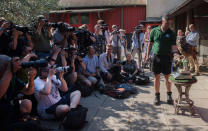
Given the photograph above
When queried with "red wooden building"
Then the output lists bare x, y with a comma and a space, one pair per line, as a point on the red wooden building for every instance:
125, 13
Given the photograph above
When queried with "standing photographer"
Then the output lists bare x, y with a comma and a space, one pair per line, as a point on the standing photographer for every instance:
62, 34
138, 41
99, 43
116, 41
42, 37
104, 31
8, 37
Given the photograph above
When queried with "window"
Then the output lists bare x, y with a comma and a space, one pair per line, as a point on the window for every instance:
74, 19
85, 18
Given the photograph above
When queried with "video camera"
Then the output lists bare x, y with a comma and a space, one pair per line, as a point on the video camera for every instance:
36, 63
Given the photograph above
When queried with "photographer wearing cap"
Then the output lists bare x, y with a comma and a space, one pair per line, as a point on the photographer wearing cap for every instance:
99, 43
50, 103
41, 38
163, 40
104, 31
115, 39
10, 85
137, 43
62, 34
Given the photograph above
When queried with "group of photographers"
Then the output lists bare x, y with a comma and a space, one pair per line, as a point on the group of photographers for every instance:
41, 65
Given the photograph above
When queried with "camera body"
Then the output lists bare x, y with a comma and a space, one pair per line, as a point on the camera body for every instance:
65, 69
116, 31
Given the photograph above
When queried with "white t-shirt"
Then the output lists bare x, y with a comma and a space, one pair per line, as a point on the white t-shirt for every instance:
45, 101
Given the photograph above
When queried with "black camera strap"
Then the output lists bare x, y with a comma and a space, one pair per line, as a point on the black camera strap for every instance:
12, 66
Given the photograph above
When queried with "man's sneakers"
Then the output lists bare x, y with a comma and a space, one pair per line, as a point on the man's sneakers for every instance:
157, 99
169, 99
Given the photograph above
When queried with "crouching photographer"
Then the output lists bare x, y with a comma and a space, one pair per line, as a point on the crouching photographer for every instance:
10, 85
76, 62
110, 69
50, 103
92, 65
129, 69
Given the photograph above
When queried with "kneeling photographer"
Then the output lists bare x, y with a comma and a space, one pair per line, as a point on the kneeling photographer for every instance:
10, 85
110, 68
129, 69
75, 61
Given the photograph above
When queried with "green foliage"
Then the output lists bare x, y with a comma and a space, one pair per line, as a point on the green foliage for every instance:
24, 11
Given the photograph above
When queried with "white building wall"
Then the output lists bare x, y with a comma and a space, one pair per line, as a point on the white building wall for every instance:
156, 8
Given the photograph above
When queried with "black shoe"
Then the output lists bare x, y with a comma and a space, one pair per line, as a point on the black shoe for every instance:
157, 99
169, 98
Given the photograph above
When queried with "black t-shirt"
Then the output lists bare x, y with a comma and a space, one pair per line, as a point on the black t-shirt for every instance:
129, 67
16, 85
22, 41
5, 39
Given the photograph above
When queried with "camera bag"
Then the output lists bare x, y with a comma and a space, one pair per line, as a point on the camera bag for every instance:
76, 118
141, 80
119, 93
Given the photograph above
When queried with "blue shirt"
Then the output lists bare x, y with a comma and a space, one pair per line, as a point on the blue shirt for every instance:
137, 43
91, 64
193, 38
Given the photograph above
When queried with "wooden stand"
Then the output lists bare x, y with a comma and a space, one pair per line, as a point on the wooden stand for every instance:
183, 103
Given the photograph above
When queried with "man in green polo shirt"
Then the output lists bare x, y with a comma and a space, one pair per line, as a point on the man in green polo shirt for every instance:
163, 41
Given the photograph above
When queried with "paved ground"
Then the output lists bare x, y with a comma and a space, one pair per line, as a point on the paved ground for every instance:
137, 113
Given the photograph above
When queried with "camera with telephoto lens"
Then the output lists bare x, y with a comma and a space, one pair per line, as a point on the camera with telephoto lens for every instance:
65, 69
50, 24
36, 63
104, 26
116, 31
70, 29
23, 29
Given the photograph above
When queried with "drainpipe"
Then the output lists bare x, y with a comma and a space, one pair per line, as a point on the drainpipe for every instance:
122, 21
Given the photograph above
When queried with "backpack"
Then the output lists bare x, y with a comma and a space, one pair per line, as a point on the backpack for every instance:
75, 118
26, 123
141, 80
129, 88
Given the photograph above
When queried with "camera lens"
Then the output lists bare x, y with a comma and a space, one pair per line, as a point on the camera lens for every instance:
36, 64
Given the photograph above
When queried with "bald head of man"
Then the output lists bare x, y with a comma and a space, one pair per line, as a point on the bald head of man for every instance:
191, 27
